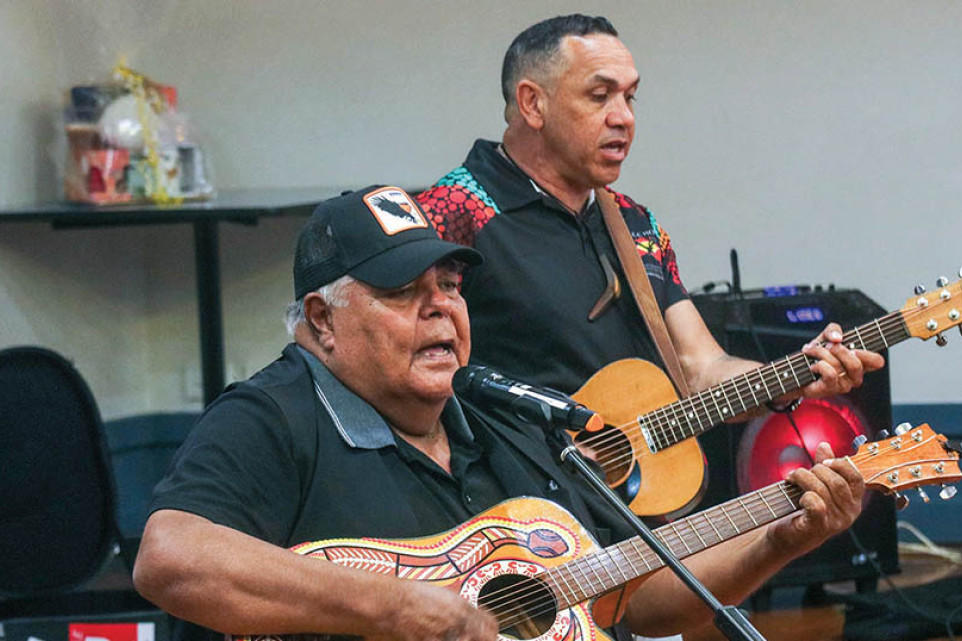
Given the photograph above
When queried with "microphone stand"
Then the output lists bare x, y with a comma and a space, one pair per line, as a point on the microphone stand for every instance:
729, 619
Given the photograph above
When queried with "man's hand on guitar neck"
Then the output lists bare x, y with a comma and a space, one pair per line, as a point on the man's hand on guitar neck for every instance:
839, 369
832, 501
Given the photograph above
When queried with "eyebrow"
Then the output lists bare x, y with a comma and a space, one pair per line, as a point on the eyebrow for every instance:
612, 82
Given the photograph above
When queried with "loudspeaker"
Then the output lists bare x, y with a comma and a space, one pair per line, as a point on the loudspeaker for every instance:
767, 324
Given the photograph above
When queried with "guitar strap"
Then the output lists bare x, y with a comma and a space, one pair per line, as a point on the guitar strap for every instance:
634, 269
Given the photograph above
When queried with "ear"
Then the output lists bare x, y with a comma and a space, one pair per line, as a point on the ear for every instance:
531, 99
318, 317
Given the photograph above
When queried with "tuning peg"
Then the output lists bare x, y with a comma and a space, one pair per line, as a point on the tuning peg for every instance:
883, 434
941, 281
925, 497
960, 272
940, 340
902, 428
947, 492
901, 501
919, 289
859, 441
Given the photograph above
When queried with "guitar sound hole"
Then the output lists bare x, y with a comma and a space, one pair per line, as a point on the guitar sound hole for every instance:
524, 606
609, 448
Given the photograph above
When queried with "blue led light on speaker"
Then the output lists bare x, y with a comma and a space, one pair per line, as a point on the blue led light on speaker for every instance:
805, 315
781, 290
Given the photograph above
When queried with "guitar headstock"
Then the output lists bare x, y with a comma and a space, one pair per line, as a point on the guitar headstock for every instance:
913, 457
928, 314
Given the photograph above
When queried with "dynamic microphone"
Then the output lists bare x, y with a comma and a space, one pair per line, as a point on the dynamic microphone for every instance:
485, 386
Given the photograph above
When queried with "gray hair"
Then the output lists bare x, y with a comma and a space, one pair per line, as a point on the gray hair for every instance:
333, 293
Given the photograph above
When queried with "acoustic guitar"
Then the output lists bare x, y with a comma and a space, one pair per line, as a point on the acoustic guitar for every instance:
646, 447
539, 572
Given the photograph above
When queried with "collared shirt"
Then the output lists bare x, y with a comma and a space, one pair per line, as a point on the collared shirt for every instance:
470, 488
543, 273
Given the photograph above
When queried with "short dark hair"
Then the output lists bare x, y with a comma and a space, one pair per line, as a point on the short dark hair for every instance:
536, 46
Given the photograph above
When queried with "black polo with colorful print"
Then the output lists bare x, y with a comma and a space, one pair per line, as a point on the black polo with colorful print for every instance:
543, 273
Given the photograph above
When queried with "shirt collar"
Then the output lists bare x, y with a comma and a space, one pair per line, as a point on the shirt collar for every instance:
505, 182
358, 423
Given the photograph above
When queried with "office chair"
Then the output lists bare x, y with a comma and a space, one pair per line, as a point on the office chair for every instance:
57, 494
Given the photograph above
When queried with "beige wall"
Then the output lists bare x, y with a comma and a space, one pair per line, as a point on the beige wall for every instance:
820, 139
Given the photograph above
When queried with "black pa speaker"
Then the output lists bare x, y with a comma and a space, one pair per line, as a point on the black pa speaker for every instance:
765, 325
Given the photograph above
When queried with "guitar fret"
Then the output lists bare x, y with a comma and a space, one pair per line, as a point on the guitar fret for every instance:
624, 562
728, 402
761, 495
701, 397
859, 337
791, 368
784, 489
741, 502
734, 385
712, 524
714, 402
694, 528
674, 529
881, 334
640, 553
750, 390
692, 412
768, 392
671, 411
563, 573
611, 577
778, 377
580, 564
727, 516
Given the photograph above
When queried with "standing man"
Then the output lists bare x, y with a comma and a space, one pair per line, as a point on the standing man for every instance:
538, 304
355, 432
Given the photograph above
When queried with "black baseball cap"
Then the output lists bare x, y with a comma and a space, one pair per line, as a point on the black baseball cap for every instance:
378, 235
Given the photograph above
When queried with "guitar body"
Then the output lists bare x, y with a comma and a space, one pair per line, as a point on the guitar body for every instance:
639, 405
498, 551
668, 482
530, 564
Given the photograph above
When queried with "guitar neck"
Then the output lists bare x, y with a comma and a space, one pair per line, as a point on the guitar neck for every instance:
595, 574
695, 414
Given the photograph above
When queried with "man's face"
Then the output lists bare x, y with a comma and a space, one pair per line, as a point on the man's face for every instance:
403, 344
589, 120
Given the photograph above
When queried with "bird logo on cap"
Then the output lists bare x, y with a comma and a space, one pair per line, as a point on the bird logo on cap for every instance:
394, 210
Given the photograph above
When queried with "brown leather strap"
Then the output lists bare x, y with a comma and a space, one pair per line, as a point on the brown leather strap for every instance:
634, 270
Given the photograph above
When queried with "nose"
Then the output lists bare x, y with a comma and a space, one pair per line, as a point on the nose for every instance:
437, 301
622, 113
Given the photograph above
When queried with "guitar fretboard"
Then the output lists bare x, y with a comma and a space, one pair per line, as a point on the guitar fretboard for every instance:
614, 566
695, 414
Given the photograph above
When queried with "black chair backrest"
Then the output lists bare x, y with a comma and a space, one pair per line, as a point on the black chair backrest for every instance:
57, 494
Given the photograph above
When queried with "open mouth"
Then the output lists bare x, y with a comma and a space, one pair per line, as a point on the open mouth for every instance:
439, 349
616, 148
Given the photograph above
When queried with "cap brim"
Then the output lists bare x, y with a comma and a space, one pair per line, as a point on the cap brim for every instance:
401, 264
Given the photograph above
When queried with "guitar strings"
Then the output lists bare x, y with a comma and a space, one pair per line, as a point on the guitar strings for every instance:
739, 519
739, 516
609, 449
770, 379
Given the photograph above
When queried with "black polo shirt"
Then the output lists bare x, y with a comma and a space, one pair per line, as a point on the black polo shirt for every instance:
542, 273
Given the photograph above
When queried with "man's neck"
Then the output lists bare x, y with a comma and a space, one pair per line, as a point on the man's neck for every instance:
434, 444
535, 165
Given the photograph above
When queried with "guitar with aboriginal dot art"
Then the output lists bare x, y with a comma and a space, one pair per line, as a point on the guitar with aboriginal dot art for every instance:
646, 447
542, 576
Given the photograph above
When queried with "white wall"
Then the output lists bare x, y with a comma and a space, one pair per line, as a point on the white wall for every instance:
820, 139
